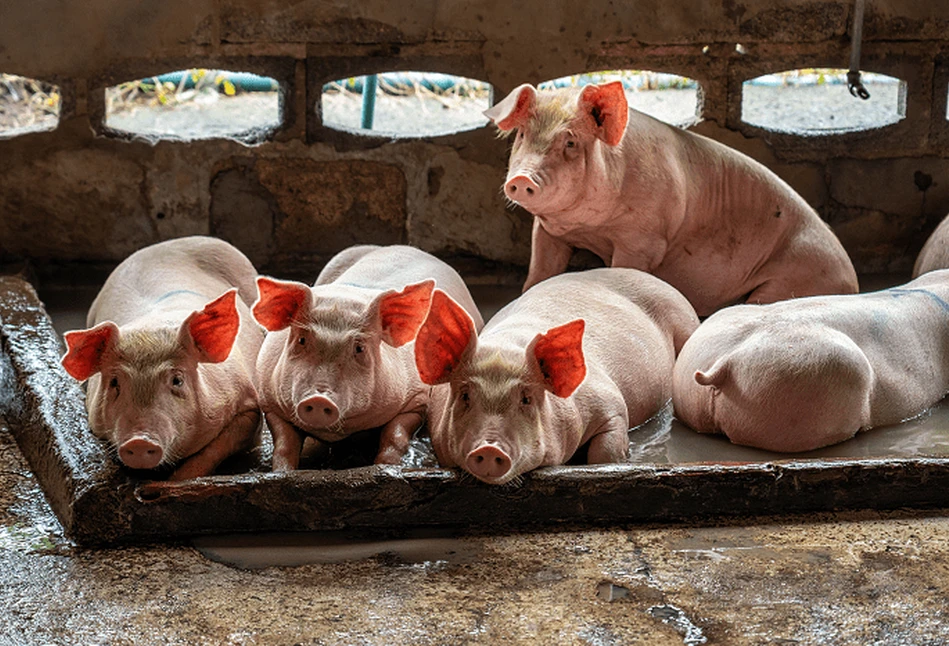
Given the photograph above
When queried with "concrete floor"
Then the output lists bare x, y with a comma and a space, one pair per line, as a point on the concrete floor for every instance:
848, 578
858, 578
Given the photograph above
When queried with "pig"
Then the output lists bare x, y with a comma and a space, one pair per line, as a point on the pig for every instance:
338, 357
169, 357
712, 222
807, 373
576, 360
935, 253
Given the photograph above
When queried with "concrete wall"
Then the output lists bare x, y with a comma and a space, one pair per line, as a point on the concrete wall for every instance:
79, 195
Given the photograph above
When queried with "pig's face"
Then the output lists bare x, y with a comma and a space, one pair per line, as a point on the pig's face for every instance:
145, 389
565, 141
331, 369
499, 422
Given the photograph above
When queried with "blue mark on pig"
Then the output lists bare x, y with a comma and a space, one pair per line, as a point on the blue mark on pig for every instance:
906, 292
167, 295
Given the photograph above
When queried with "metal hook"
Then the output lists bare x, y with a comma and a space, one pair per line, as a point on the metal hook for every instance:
853, 76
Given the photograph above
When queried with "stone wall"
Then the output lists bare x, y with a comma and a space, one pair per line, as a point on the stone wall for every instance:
80, 196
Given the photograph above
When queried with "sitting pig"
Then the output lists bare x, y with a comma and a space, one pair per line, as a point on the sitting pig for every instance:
170, 357
339, 356
807, 373
577, 359
715, 224
935, 253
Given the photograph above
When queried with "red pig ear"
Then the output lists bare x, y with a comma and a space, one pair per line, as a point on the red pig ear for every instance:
86, 348
559, 355
401, 314
443, 339
608, 106
514, 109
280, 302
212, 330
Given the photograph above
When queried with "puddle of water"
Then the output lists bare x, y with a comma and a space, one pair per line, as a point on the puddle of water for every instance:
669, 614
257, 551
665, 440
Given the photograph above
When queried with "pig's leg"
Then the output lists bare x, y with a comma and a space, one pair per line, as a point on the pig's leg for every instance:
394, 442
549, 256
611, 443
241, 434
287, 443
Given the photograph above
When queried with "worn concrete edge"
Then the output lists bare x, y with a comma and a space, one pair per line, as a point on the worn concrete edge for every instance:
45, 413
100, 504
386, 498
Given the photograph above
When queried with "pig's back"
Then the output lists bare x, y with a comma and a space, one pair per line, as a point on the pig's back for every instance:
394, 267
184, 272
612, 297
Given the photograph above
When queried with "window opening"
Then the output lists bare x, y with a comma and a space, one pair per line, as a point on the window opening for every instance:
27, 105
196, 104
816, 101
667, 97
405, 104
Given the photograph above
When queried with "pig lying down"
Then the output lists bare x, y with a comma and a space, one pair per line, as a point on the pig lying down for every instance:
578, 358
715, 224
935, 253
808, 373
170, 357
339, 356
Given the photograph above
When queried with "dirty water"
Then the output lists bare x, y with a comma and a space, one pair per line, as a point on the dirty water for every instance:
430, 549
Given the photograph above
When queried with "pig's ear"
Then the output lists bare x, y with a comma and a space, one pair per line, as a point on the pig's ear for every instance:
211, 332
281, 302
514, 109
443, 339
559, 357
401, 314
86, 349
608, 107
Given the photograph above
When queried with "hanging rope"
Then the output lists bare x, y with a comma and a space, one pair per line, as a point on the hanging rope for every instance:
853, 76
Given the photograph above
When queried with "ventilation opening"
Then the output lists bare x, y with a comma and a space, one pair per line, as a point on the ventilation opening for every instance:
405, 104
196, 104
667, 97
814, 102
27, 105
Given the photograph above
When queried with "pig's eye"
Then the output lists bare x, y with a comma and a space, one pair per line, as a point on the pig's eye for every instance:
359, 349
114, 383
177, 381
525, 399
570, 143
302, 340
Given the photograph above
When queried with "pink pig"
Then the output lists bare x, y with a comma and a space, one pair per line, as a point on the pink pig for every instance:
935, 253
578, 358
339, 355
170, 373
811, 372
715, 224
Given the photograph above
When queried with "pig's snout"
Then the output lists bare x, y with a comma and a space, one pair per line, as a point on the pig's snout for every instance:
140, 453
318, 411
522, 189
488, 462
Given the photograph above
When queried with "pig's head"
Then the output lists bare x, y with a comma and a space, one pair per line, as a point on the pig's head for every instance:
566, 142
499, 421
145, 389
337, 364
